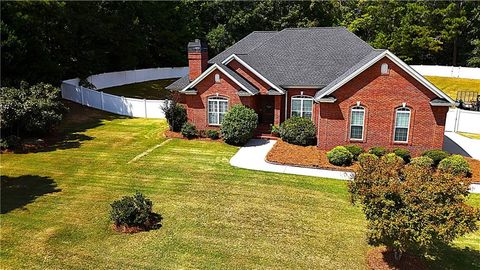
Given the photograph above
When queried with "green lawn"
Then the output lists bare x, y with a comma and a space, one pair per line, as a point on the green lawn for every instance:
470, 135
55, 207
148, 90
452, 85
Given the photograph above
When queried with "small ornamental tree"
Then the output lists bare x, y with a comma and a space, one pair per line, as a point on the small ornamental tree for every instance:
412, 208
238, 125
175, 114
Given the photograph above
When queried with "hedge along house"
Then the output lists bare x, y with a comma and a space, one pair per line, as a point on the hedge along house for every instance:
353, 93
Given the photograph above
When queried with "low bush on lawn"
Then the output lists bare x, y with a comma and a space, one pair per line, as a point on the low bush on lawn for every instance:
340, 156
378, 151
403, 153
133, 214
456, 165
239, 124
355, 150
212, 134
175, 114
436, 155
423, 161
298, 130
189, 131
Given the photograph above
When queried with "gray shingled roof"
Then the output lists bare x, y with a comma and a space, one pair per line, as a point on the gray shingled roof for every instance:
240, 79
179, 84
299, 56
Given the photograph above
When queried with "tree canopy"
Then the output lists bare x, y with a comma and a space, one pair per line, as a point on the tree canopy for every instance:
50, 41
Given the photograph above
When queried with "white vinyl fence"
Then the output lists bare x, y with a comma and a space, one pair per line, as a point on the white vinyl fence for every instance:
121, 105
448, 71
463, 121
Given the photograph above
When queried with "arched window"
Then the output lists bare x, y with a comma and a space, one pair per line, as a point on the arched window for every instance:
357, 122
302, 106
384, 69
402, 124
217, 107
217, 78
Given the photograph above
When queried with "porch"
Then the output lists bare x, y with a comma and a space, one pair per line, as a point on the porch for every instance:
270, 110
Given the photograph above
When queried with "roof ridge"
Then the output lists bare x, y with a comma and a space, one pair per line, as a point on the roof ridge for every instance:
315, 27
261, 43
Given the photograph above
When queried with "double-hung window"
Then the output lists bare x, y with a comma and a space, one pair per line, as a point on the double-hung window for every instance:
302, 106
402, 124
357, 123
217, 107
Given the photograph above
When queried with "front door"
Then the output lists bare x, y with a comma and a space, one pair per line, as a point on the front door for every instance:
266, 109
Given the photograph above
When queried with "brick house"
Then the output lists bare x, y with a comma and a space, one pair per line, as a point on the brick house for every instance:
353, 93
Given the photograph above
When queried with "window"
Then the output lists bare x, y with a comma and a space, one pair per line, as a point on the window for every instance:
402, 123
384, 69
217, 78
302, 106
357, 121
217, 107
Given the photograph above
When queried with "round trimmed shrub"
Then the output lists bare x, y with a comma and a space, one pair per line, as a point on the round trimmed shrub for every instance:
212, 134
423, 161
455, 164
189, 131
176, 115
365, 159
355, 150
239, 124
393, 159
403, 153
340, 156
298, 130
133, 211
378, 151
436, 155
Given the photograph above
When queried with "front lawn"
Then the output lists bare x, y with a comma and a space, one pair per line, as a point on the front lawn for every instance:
470, 135
147, 90
55, 207
452, 85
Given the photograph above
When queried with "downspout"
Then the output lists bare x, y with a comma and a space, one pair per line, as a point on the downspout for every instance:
318, 125
286, 104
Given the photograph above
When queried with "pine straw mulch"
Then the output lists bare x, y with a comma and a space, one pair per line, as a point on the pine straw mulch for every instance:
303, 156
381, 259
475, 166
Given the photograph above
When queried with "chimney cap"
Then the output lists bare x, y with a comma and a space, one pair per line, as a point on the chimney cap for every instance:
197, 46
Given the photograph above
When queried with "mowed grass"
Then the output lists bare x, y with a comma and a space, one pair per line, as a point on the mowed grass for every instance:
452, 85
470, 135
55, 207
148, 90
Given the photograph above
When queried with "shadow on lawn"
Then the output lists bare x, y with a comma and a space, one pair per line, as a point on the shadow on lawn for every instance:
70, 132
449, 257
16, 192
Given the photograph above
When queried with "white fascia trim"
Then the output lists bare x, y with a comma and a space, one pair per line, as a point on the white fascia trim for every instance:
402, 65
234, 57
302, 86
210, 70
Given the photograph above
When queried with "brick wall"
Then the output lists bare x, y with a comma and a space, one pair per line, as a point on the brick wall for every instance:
381, 95
197, 63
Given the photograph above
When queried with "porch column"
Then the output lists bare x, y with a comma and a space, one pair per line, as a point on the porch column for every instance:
277, 110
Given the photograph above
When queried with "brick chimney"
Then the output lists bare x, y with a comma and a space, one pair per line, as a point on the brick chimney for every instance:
197, 58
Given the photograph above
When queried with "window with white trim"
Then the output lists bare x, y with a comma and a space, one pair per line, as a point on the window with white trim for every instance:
357, 122
217, 108
302, 106
402, 124
217, 78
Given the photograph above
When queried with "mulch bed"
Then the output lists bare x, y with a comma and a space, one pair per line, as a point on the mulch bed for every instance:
303, 156
382, 259
475, 166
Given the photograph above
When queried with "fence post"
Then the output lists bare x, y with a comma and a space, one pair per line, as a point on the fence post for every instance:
145, 106
457, 120
81, 94
101, 99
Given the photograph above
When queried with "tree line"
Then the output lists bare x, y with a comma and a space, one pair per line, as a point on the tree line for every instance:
50, 41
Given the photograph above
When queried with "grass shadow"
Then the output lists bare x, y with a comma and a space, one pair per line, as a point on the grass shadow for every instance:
17, 192
449, 257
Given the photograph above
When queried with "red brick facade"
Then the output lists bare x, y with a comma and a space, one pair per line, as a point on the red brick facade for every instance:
380, 95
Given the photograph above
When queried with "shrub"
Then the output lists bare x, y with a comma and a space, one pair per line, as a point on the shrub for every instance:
212, 134
422, 161
10, 142
298, 130
133, 211
366, 158
275, 130
189, 131
378, 151
355, 150
175, 114
436, 155
340, 156
239, 124
455, 164
393, 160
403, 153
30, 110
396, 203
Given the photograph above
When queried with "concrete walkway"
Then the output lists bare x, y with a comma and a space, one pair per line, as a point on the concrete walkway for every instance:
458, 144
252, 156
